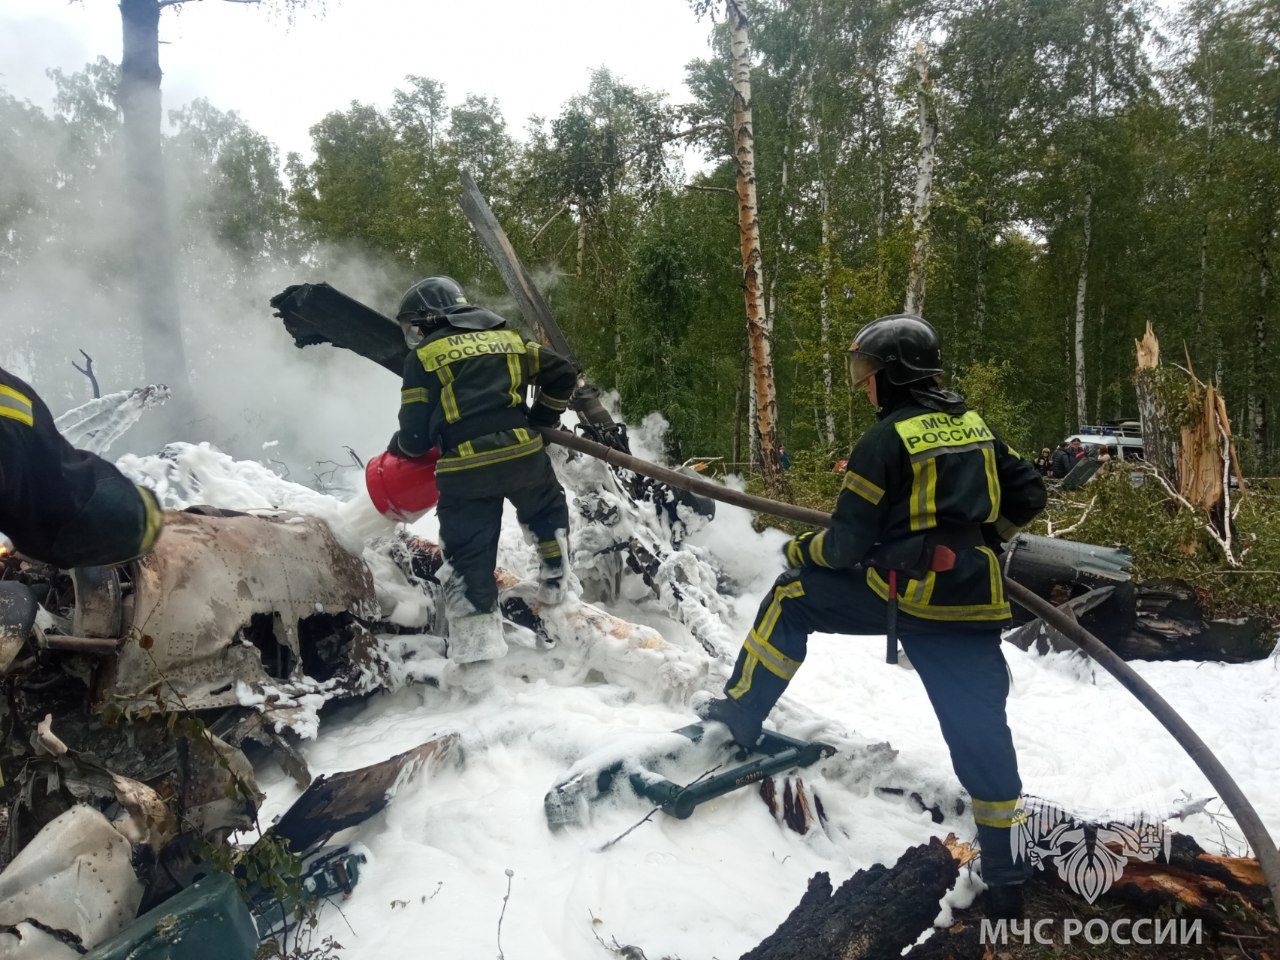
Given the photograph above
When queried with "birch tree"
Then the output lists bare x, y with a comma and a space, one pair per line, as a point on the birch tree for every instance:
923, 201
759, 327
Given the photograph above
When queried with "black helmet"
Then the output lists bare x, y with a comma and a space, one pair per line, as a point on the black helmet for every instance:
428, 299
904, 346
434, 301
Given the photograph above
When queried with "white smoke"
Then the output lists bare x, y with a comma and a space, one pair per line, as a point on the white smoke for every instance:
66, 286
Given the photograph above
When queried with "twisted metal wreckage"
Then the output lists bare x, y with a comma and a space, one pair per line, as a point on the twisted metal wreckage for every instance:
232, 636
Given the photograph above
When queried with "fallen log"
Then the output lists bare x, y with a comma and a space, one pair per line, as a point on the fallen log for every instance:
874, 915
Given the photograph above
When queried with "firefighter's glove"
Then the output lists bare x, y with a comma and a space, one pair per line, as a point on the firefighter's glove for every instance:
543, 417
797, 551
396, 450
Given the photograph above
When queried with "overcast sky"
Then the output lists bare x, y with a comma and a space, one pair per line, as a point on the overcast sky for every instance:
531, 55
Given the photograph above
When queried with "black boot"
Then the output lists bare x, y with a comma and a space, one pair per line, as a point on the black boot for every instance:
744, 726
1004, 901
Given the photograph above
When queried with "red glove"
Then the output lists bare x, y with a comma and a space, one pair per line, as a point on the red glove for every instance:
402, 488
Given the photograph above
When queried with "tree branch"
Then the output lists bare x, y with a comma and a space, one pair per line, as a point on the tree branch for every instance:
1208, 527
87, 370
555, 216
699, 187
1065, 530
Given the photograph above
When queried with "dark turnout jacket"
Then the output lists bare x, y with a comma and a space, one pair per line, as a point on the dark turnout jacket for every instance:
464, 391
920, 470
61, 505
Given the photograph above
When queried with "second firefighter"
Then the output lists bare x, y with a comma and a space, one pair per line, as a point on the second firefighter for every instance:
465, 381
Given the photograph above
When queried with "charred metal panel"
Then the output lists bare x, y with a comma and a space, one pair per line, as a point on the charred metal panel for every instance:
208, 579
333, 803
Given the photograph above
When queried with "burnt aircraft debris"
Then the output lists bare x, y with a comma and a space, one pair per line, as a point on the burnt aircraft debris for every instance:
1140, 620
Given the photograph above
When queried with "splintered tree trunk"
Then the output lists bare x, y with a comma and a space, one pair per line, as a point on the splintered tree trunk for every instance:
924, 187
139, 96
759, 329
1082, 290
1157, 435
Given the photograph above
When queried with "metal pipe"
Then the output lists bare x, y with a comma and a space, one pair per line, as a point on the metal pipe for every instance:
1251, 825
625, 461
92, 646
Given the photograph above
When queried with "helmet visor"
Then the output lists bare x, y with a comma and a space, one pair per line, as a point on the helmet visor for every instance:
413, 332
861, 367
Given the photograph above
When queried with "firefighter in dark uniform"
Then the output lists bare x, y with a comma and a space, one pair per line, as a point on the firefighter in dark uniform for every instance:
60, 505
464, 391
929, 494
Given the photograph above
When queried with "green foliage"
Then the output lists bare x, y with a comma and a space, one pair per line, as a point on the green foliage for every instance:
1127, 510
1045, 108
986, 388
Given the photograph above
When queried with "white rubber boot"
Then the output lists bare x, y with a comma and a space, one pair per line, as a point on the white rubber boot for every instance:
476, 637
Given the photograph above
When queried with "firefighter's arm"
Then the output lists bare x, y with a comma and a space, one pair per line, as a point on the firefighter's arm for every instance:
555, 378
1022, 491
855, 522
80, 510
418, 397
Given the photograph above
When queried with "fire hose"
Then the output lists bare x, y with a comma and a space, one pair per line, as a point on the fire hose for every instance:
1251, 825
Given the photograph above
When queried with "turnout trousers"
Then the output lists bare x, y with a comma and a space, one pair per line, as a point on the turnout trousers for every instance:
961, 666
470, 513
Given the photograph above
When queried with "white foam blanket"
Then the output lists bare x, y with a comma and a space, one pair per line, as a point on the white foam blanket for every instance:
614, 685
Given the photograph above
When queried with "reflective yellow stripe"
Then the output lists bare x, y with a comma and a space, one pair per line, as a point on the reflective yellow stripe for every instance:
787, 591
535, 358
1006, 527
489, 457
154, 521
549, 548
922, 592
996, 581
438, 354
856, 483
774, 660
447, 397
513, 371
748, 672
816, 547
932, 434
16, 406
553, 403
414, 395
1002, 813
928, 610
758, 647
924, 486
466, 449
993, 483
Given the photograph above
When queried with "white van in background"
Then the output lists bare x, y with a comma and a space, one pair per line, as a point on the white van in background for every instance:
1124, 438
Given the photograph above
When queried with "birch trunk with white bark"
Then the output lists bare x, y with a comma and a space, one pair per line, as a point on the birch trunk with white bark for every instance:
759, 328
828, 420
1082, 290
923, 202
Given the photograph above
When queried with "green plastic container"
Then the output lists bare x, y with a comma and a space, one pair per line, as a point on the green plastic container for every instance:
206, 921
